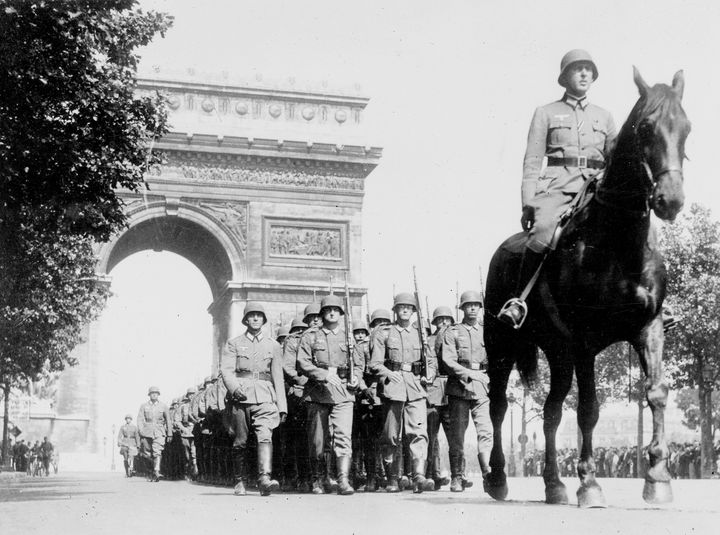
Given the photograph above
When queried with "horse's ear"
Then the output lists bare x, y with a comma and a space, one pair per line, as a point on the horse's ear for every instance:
678, 83
639, 82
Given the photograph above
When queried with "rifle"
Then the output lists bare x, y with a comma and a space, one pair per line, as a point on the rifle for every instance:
349, 339
421, 330
367, 310
482, 293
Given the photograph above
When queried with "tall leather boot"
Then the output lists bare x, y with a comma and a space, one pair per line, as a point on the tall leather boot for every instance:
317, 469
156, 468
420, 483
484, 460
514, 311
266, 484
131, 465
466, 482
330, 483
343, 470
391, 473
371, 471
433, 469
238, 460
456, 483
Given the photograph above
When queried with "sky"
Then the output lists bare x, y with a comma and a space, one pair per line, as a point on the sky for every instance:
452, 88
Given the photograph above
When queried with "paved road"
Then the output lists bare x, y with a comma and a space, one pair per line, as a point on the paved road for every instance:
108, 503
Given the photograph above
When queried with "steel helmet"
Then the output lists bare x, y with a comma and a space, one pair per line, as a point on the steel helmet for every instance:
360, 325
332, 301
380, 314
311, 309
282, 332
404, 298
153, 389
470, 296
207, 380
254, 306
297, 324
190, 391
574, 56
442, 312
128, 416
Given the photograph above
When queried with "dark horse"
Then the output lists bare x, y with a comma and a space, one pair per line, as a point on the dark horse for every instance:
604, 283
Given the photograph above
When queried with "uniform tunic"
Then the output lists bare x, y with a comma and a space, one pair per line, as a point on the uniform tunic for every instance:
463, 353
252, 365
154, 426
128, 440
566, 128
321, 351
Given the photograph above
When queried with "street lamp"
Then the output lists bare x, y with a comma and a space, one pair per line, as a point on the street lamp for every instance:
511, 462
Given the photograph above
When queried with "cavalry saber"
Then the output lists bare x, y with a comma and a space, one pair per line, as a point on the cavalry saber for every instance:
421, 329
349, 339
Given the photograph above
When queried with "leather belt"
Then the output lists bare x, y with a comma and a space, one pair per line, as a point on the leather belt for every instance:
256, 376
581, 162
412, 367
482, 366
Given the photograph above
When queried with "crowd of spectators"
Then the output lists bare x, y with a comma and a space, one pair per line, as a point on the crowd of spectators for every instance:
684, 461
34, 459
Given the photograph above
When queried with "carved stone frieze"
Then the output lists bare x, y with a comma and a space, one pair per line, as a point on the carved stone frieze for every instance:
305, 242
234, 169
232, 214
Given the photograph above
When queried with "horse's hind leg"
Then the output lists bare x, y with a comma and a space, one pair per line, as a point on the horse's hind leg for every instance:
501, 357
561, 370
650, 348
589, 494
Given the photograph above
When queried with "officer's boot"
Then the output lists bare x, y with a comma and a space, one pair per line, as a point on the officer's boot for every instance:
131, 465
238, 460
330, 483
456, 483
515, 310
370, 470
420, 483
404, 467
433, 470
317, 469
266, 484
343, 470
465, 481
391, 472
156, 468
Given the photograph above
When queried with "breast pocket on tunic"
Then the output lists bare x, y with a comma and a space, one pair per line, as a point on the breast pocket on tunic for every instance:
320, 352
242, 361
560, 132
394, 351
600, 134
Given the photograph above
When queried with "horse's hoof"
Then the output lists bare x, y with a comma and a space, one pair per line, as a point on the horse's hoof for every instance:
556, 494
656, 492
496, 488
591, 496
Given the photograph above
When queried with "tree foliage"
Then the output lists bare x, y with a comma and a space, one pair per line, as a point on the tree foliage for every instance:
688, 402
72, 130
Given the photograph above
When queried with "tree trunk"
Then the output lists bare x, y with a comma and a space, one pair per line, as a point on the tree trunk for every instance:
6, 418
707, 454
639, 460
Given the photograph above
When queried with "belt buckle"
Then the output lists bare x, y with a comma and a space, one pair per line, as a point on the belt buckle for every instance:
474, 365
256, 376
582, 162
406, 366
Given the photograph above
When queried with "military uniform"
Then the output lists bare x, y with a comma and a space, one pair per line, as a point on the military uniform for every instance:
329, 407
438, 412
184, 425
368, 423
252, 371
128, 441
463, 354
154, 427
574, 135
397, 348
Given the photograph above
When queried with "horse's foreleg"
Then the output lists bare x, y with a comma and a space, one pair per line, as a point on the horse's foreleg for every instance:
495, 483
589, 494
560, 382
650, 348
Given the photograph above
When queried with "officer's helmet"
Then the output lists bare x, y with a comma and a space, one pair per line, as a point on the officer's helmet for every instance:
153, 389
254, 306
470, 296
332, 301
128, 416
574, 56
404, 298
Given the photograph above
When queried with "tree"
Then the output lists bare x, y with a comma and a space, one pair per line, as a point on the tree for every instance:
72, 131
692, 350
688, 401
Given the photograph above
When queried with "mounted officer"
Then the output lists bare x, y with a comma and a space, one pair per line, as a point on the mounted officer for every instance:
251, 366
574, 137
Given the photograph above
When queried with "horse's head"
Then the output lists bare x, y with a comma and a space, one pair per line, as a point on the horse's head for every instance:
661, 128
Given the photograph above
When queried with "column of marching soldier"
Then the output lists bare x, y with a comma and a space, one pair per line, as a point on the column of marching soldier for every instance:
323, 412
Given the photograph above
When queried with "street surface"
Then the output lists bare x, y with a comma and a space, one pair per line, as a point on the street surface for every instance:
108, 503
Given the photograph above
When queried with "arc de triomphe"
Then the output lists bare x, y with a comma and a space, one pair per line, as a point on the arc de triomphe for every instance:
261, 188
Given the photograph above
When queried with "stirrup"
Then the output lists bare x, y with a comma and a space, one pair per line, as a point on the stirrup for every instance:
506, 317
